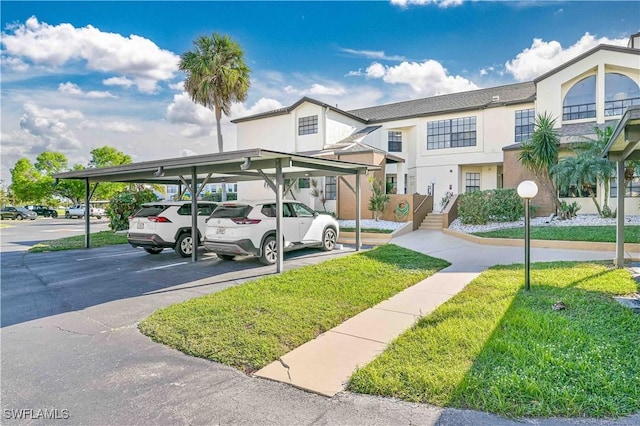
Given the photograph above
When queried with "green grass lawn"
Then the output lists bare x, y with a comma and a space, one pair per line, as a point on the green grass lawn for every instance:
496, 348
606, 234
251, 325
98, 239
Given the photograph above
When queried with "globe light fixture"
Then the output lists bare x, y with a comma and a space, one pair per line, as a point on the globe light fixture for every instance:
527, 190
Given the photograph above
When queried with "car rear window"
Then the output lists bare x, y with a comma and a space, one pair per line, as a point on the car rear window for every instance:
147, 211
230, 211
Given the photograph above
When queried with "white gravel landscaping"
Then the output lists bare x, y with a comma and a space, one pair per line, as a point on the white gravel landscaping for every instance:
580, 220
371, 224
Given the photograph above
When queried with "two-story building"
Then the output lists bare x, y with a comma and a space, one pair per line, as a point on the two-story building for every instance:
457, 142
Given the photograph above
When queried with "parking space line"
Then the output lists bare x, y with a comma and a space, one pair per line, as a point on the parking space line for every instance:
101, 257
162, 267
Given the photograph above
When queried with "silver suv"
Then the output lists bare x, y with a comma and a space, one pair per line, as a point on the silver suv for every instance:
167, 224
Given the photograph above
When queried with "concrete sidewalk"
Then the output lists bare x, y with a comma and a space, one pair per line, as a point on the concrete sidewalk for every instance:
325, 364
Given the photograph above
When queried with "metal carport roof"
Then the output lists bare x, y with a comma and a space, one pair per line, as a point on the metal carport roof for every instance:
251, 164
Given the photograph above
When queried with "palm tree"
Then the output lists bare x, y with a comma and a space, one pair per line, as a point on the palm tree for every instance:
216, 76
540, 153
581, 170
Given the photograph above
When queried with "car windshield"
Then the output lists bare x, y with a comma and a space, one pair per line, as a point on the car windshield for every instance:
231, 211
147, 211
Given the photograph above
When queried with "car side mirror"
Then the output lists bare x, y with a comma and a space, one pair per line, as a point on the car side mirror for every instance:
315, 214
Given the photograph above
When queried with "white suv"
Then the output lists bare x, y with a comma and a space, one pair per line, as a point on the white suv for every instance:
161, 224
240, 229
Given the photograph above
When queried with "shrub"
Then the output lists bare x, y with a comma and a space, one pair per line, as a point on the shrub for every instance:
217, 196
495, 205
569, 210
124, 205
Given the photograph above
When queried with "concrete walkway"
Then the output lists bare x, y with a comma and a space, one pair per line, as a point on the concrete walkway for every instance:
325, 364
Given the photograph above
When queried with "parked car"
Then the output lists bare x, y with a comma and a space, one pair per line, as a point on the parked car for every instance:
241, 229
42, 210
79, 211
17, 213
159, 225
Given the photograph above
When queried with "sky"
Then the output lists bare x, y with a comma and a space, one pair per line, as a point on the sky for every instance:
75, 76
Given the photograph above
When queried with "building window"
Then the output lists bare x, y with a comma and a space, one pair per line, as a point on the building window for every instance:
395, 141
620, 92
455, 133
308, 125
472, 182
580, 101
392, 184
633, 188
304, 183
525, 120
330, 187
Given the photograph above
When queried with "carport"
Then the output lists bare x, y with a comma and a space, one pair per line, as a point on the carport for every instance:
624, 145
194, 172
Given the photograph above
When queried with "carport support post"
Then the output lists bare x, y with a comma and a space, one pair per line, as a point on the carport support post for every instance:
619, 260
87, 218
358, 212
194, 215
279, 239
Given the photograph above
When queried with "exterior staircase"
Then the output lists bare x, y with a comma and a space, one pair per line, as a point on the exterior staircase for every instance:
432, 221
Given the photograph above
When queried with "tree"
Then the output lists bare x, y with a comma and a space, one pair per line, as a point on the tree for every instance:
107, 156
50, 162
379, 198
28, 184
317, 192
216, 76
540, 153
586, 168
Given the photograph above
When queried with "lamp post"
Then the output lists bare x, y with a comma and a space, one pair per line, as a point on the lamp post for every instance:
527, 190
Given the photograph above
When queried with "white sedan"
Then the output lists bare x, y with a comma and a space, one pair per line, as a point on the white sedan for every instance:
249, 229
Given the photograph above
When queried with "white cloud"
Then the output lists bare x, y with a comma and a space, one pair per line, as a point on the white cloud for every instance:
184, 111
316, 89
118, 81
440, 3
135, 57
373, 54
263, 105
69, 88
177, 86
113, 126
50, 127
543, 56
426, 78
15, 64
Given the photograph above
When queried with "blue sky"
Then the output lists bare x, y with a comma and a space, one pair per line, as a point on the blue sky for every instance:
79, 75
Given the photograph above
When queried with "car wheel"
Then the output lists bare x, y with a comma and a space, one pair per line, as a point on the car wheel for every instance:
184, 245
54, 214
152, 250
328, 239
98, 217
226, 256
269, 251
67, 216
19, 217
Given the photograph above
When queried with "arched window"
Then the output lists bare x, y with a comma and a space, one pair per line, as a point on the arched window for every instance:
580, 101
620, 92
